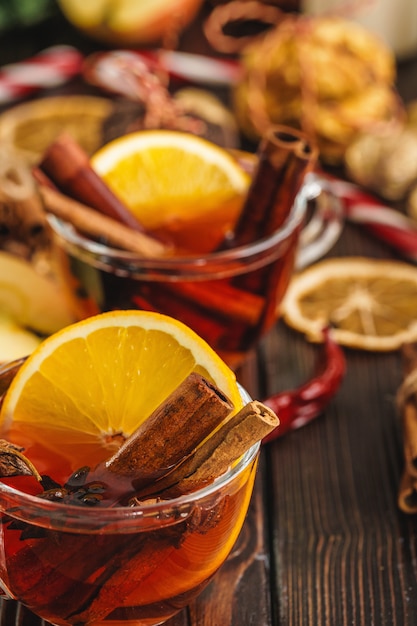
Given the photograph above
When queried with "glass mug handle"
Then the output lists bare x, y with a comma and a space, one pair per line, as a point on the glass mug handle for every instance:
325, 224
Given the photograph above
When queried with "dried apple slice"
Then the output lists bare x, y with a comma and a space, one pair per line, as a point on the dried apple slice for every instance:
31, 300
15, 341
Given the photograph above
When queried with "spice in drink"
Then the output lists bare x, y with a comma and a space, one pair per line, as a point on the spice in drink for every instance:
68, 576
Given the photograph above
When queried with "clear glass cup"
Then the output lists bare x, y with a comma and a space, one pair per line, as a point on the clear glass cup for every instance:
230, 298
125, 566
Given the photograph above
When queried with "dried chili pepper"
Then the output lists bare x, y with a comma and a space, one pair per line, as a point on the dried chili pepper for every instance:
298, 407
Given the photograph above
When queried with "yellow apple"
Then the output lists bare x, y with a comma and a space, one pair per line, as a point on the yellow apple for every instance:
130, 22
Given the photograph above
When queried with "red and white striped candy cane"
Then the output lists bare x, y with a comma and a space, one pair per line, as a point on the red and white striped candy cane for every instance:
387, 224
118, 70
50, 68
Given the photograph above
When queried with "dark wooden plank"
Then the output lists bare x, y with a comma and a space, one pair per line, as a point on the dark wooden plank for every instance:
343, 553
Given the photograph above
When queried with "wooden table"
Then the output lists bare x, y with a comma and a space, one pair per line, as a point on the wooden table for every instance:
324, 543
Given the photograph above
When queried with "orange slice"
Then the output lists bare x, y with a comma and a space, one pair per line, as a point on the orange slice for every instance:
370, 303
174, 180
98, 379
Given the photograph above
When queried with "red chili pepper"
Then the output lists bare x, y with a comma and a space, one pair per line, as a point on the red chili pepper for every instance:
298, 407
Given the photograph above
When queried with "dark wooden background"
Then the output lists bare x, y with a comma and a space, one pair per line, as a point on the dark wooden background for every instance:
324, 543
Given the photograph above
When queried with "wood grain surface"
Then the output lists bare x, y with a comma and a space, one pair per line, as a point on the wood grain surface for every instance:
324, 543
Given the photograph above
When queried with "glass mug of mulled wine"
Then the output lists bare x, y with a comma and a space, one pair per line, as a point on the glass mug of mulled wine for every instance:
229, 296
132, 565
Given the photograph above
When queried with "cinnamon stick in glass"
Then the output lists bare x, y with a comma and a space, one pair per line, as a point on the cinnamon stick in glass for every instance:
68, 166
189, 415
242, 305
218, 452
123, 574
285, 156
96, 225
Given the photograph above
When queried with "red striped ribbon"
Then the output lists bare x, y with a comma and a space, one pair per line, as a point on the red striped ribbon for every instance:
50, 68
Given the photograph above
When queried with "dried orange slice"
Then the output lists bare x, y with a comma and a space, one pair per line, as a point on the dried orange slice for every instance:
370, 303
175, 179
32, 126
101, 377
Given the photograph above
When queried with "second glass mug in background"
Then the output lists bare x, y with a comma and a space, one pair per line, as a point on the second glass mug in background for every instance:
230, 298
125, 565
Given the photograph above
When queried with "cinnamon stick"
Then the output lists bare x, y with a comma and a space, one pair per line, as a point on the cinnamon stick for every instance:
407, 494
68, 166
284, 158
407, 409
192, 411
407, 405
409, 423
217, 453
96, 225
123, 574
224, 300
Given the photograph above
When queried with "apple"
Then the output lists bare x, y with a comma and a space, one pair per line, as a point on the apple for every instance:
15, 341
33, 300
130, 22
31, 306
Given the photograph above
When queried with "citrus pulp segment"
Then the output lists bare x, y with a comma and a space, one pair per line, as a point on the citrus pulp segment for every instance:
370, 303
170, 175
106, 374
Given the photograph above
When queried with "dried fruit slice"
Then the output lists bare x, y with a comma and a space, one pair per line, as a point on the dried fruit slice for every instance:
32, 300
370, 303
15, 341
175, 180
98, 379
32, 126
